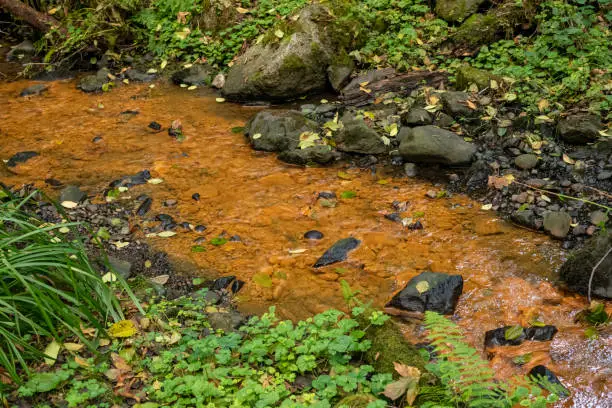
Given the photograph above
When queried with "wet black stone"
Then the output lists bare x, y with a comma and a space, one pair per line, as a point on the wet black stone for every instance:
415, 226
53, 182
328, 195
235, 238
129, 181
222, 282
196, 196
20, 157
440, 294
130, 112
144, 207
96, 139
164, 218
155, 126
541, 372
337, 252
236, 286
174, 132
497, 337
200, 228
313, 234
395, 217
199, 240
185, 225
168, 226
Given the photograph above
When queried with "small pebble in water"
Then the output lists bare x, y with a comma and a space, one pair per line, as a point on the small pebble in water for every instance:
235, 238
144, 207
97, 139
196, 196
170, 203
185, 225
313, 234
328, 195
199, 228
415, 226
199, 240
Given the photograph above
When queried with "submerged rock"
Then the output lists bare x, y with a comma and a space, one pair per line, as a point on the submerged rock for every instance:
275, 131
357, 137
285, 68
313, 234
139, 76
515, 335
129, 181
337, 252
430, 144
437, 292
579, 129
577, 270
199, 74
20, 157
95, 82
34, 90
321, 154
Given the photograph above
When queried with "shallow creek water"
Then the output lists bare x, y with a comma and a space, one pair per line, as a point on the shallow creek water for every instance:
508, 272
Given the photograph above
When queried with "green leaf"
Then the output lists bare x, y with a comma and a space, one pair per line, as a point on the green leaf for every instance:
218, 241
262, 279
348, 194
198, 248
513, 333
44, 382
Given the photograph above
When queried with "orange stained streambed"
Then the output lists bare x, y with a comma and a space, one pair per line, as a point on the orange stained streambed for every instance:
509, 272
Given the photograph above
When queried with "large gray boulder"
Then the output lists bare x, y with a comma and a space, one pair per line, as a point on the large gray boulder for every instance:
357, 137
456, 10
579, 129
277, 131
577, 270
285, 68
430, 144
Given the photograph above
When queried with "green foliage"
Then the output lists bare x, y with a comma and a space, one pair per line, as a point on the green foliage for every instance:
400, 33
170, 37
468, 378
48, 287
568, 61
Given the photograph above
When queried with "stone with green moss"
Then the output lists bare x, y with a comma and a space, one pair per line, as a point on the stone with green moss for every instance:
477, 30
456, 10
389, 346
290, 61
467, 75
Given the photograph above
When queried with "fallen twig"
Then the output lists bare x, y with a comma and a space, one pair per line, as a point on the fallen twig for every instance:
593, 273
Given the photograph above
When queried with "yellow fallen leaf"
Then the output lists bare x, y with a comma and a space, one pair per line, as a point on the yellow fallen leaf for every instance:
486, 207
51, 352
242, 10
73, 346
422, 286
69, 204
543, 105
104, 342
123, 328
568, 159
81, 361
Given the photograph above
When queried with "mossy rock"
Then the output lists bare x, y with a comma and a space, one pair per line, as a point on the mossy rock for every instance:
456, 10
289, 67
356, 401
503, 20
477, 30
467, 75
216, 15
389, 346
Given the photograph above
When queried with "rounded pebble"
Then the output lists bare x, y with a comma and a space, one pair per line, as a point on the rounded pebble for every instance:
313, 234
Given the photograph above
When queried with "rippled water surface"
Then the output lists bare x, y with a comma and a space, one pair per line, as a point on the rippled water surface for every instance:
509, 272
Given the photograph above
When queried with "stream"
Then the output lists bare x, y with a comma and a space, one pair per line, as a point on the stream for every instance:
508, 272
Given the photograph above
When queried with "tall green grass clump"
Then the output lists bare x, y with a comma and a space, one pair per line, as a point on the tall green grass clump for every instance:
48, 287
